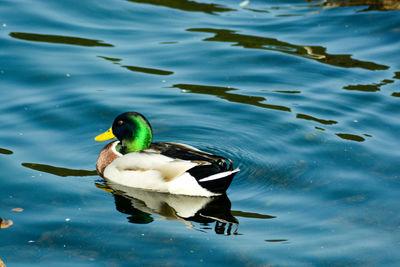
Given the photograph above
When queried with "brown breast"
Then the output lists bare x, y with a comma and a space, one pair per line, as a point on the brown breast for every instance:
107, 155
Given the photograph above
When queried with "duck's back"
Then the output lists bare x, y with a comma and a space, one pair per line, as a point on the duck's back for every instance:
212, 172
186, 152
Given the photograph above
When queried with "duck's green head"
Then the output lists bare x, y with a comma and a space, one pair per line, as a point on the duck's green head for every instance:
132, 130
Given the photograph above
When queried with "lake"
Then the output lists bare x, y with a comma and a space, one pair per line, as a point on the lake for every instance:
303, 96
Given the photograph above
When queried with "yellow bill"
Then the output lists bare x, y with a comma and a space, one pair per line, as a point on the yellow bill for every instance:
105, 136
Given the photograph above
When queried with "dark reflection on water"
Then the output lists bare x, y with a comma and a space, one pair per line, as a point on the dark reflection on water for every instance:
382, 5
222, 92
396, 94
257, 10
351, 137
57, 39
141, 205
287, 92
5, 151
311, 118
148, 70
276, 240
59, 171
374, 87
244, 214
396, 76
138, 69
363, 87
317, 53
111, 59
186, 5
368, 87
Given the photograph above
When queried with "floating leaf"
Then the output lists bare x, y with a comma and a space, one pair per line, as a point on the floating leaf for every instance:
5, 224
18, 209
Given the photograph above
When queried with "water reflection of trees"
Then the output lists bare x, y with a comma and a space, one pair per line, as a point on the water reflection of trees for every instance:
58, 39
372, 4
373, 87
5, 151
154, 71
59, 171
186, 5
224, 93
317, 53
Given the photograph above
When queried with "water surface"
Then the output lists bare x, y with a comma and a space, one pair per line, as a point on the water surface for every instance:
303, 96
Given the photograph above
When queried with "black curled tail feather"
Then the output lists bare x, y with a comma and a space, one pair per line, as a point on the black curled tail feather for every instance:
225, 163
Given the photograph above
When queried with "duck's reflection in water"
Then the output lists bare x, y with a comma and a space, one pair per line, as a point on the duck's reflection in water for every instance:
141, 205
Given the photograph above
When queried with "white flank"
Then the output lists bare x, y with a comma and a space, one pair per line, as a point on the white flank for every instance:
149, 170
187, 185
218, 176
138, 170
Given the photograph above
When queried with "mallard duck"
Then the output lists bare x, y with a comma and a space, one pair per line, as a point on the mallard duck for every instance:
134, 161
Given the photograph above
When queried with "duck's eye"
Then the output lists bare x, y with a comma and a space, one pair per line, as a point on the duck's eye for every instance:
120, 123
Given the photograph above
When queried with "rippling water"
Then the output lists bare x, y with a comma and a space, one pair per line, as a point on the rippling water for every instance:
302, 95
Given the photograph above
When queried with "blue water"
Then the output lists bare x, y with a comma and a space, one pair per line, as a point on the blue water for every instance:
303, 96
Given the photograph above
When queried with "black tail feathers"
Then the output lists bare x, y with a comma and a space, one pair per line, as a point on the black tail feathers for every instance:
211, 178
